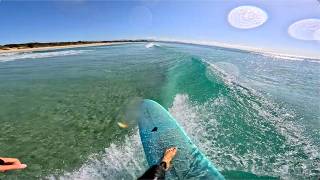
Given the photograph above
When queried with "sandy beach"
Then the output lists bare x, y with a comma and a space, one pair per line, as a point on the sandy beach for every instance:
9, 50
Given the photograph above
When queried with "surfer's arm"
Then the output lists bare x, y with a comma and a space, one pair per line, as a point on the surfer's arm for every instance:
10, 160
155, 172
12, 167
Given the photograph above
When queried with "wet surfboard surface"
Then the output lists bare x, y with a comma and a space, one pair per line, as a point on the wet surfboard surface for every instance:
159, 131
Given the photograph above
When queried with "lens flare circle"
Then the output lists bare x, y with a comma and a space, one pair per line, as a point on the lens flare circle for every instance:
316, 35
247, 17
306, 29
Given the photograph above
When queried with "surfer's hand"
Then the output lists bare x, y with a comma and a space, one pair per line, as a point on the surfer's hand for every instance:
11, 164
12, 167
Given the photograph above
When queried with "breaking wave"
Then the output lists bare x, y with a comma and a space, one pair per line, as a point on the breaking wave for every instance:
296, 156
4, 57
150, 45
237, 128
275, 56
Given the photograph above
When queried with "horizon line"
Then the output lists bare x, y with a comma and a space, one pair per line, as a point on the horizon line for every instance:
194, 42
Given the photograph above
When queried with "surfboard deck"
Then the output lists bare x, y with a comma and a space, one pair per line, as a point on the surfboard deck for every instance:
159, 131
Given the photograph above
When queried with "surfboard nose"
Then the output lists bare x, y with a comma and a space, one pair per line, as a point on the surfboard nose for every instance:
148, 111
152, 115
149, 103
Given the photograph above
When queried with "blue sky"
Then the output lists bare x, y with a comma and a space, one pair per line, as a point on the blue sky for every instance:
42, 21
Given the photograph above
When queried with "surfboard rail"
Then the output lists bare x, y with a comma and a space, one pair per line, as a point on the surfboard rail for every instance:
159, 131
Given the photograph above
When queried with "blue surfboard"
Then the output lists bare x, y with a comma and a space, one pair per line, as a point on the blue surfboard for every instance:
159, 131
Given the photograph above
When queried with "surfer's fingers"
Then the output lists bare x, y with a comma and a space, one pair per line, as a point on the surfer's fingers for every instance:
22, 166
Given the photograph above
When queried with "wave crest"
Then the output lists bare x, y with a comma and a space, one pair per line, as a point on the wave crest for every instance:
278, 148
150, 45
4, 57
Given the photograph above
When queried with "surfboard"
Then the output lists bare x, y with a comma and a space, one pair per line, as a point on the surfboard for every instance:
159, 131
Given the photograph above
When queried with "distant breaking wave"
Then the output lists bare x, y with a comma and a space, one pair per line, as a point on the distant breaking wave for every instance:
150, 45
286, 57
278, 56
4, 57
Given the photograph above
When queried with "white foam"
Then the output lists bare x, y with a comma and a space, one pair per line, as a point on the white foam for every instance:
150, 45
4, 57
185, 115
195, 123
8, 54
278, 56
201, 122
228, 71
283, 122
122, 160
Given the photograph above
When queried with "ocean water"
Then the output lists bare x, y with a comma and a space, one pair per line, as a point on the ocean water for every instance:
256, 116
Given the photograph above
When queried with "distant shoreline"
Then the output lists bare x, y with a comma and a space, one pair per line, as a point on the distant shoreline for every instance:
29, 47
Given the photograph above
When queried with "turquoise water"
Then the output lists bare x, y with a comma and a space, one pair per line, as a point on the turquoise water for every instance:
254, 115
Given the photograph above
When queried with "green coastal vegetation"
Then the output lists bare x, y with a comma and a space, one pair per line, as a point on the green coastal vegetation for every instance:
51, 44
